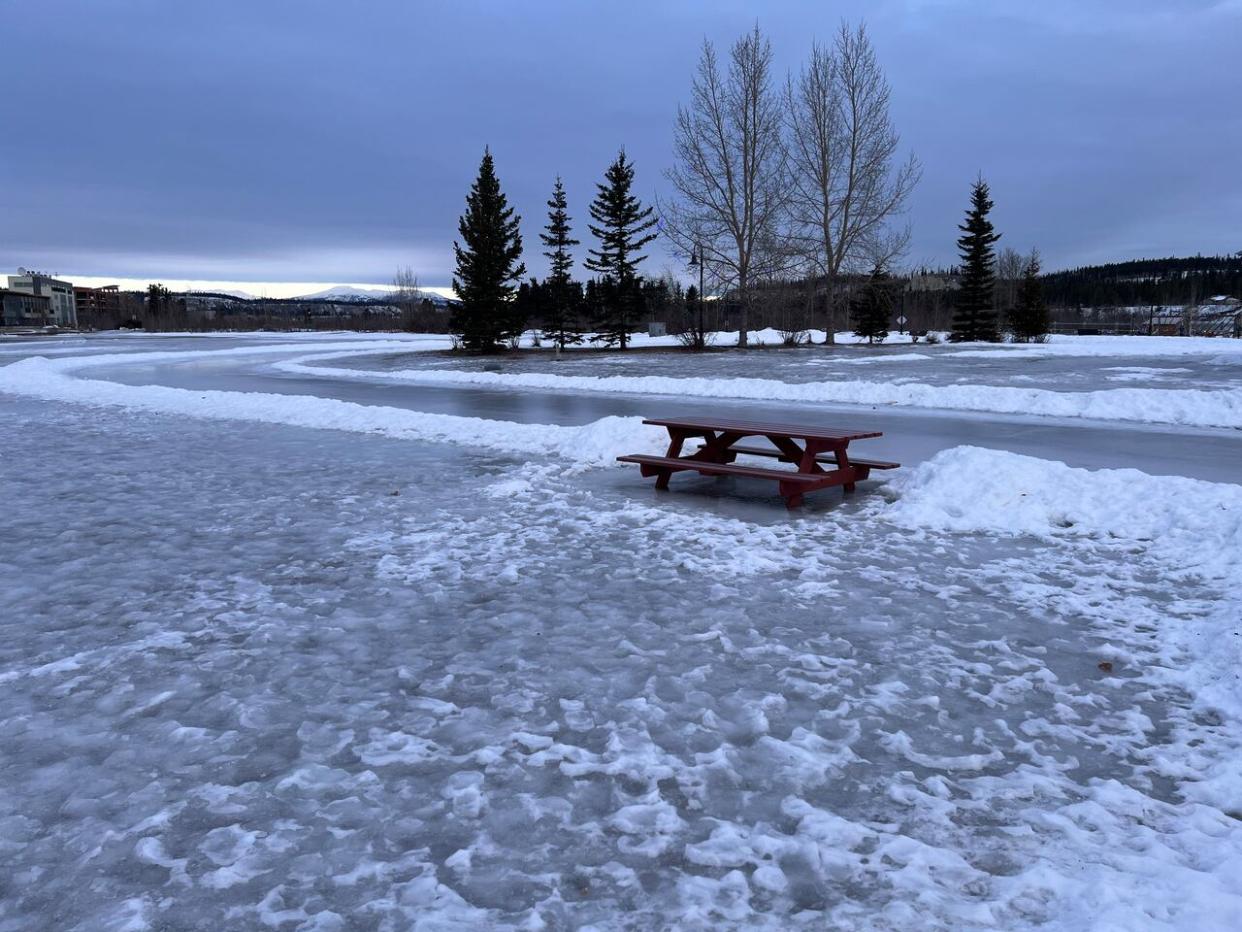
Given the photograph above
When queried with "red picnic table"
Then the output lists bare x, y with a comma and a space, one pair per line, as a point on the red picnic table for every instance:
820, 447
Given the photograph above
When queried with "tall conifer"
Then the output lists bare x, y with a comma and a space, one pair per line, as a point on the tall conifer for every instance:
488, 266
975, 315
621, 226
560, 322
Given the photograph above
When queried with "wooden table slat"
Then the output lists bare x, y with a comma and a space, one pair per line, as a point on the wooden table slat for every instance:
803, 431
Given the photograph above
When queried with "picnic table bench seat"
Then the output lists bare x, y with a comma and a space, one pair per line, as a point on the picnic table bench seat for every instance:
654, 465
829, 457
820, 447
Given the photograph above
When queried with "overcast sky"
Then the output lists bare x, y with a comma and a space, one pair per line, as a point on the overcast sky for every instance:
335, 141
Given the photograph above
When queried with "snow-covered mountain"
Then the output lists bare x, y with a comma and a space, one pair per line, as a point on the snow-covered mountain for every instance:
349, 294
346, 293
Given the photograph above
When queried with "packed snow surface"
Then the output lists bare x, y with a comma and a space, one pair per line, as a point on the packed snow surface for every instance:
426, 671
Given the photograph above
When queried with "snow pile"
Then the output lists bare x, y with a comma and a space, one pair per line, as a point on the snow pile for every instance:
595, 444
1072, 345
975, 489
1192, 407
1189, 530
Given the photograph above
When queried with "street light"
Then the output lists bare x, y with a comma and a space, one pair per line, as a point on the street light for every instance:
697, 262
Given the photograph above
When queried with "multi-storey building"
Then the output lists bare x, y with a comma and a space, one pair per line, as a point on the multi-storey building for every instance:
64, 309
20, 309
97, 306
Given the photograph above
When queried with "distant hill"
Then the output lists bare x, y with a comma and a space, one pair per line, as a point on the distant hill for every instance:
347, 293
228, 293
1146, 282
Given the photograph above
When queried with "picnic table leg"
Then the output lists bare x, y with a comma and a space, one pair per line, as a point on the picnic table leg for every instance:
717, 447
792, 496
676, 437
843, 462
803, 457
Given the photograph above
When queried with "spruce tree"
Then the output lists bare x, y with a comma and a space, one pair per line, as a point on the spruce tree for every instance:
872, 307
157, 302
560, 323
621, 226
1030, 315
975, 315
488, 265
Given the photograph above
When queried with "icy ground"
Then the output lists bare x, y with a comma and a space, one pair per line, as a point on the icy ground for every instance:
1060, 366
245, 685
1169, 380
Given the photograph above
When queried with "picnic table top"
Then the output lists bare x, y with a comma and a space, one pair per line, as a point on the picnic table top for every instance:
777, 428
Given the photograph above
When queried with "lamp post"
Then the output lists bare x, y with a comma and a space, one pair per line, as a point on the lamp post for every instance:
696, 261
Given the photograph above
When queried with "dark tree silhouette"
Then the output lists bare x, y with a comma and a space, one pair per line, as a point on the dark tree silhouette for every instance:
622, 227
488, 266
872, 307
1030, 315
560, 319
975, 315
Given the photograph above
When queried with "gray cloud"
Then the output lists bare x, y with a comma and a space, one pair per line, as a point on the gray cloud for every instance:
325, 141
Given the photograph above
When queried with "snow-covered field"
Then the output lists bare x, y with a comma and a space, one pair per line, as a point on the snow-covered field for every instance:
276, 659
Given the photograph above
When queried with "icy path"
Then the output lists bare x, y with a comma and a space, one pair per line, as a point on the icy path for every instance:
243, 685
912, 435
981, 380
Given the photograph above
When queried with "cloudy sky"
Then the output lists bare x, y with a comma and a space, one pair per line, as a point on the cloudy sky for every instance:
307, 141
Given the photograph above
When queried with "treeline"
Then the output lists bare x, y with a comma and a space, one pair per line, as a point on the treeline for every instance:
785, 197
496, 308
774, 183
1164, 282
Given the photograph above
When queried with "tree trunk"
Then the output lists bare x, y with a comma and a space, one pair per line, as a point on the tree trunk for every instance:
830, 311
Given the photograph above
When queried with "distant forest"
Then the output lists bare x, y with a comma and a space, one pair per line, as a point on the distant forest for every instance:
1145, 282
925, 296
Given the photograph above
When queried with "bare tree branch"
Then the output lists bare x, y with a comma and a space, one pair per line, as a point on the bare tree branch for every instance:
730, 173
846, 183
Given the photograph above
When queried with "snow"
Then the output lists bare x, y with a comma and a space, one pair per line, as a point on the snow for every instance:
1193, 529
346, 293
275, 661
1190, 407
594, 444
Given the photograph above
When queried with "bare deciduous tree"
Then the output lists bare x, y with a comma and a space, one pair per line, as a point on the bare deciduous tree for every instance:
406, 296
730, 174
847, 186
1009, 267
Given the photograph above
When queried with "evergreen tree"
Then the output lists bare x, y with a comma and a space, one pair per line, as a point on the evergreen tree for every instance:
591, 303
1030, 315
158, 299
621, 226
872, 307
488, 265
974, 317
560, 319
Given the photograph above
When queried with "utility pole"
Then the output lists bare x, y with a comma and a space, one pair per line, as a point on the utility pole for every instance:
696, 259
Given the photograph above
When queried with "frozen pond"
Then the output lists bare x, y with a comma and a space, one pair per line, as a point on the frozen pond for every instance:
255, 675
1027, 366
911, 435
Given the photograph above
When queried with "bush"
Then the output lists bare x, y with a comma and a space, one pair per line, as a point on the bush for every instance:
794, 337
